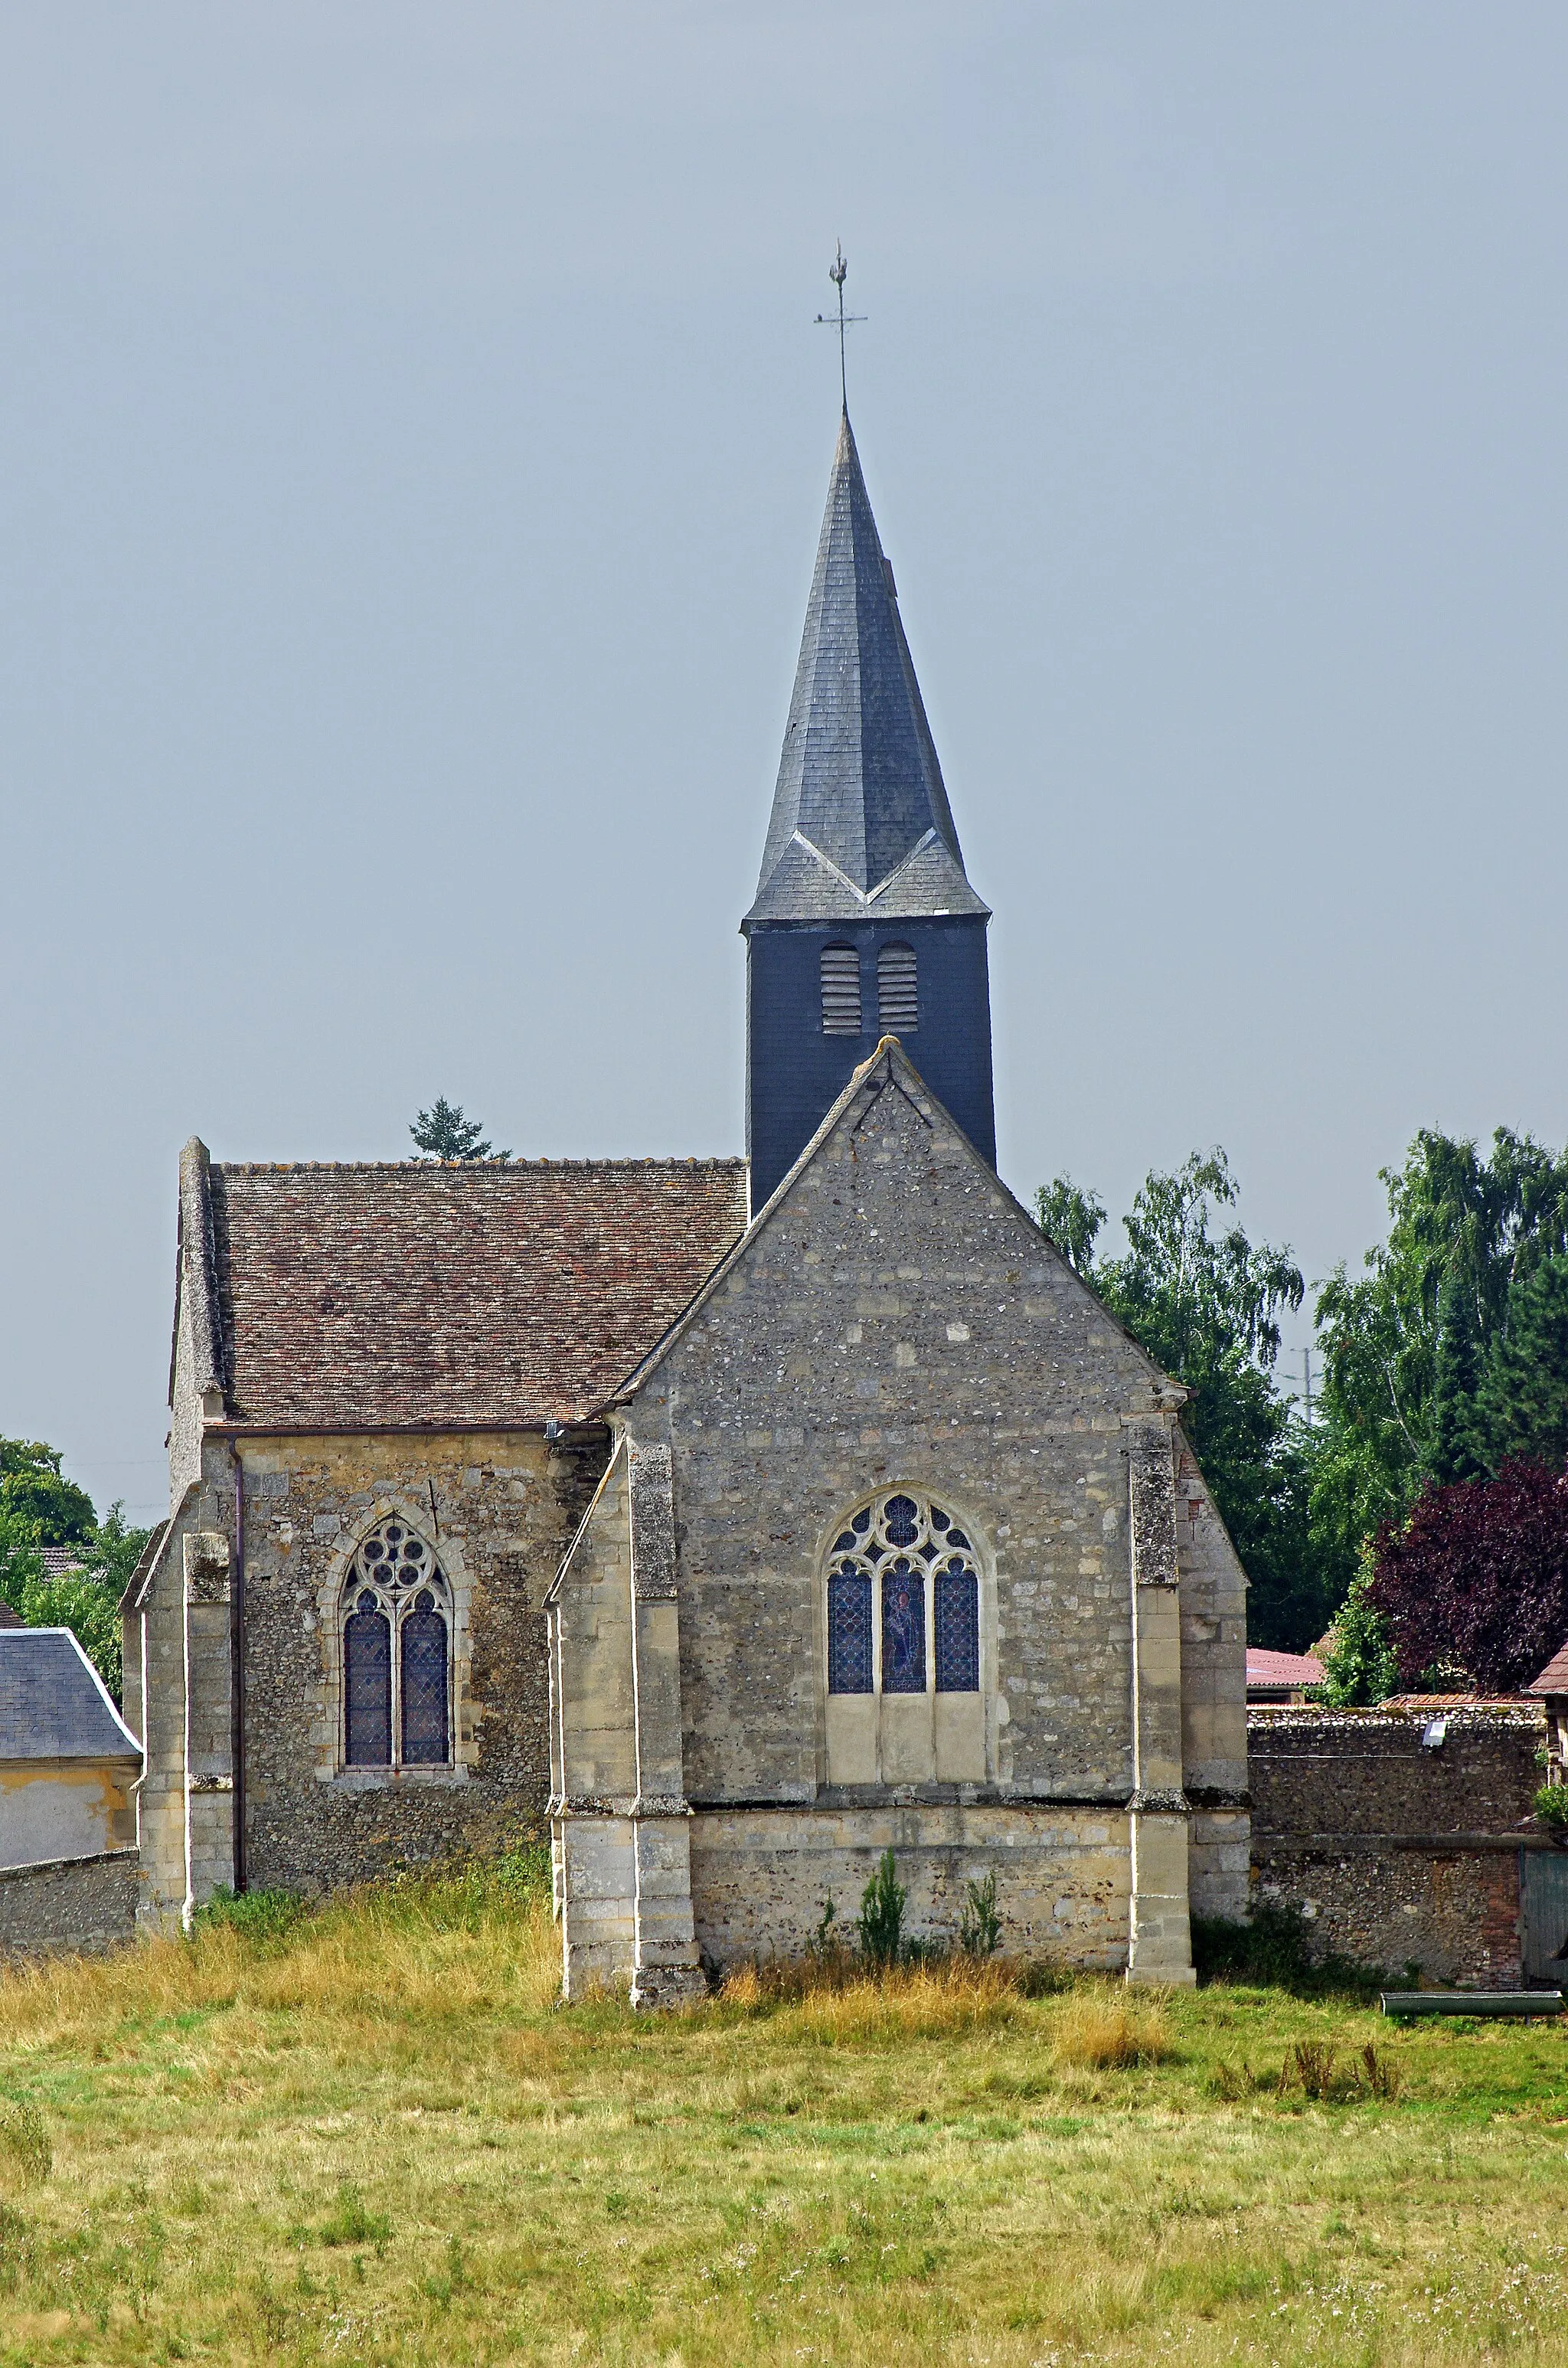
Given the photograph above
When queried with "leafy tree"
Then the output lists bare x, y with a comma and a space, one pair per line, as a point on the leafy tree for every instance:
1477, 1575
85, 1598
1070, 1218
1204, 1301
443, 1132
34, 1495
1360, 1659
1522, 1406
1488, 1221
1452, 1453
85, 1605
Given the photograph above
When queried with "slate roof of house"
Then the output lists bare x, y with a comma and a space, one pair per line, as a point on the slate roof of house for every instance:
53, 1705
1266, 1668
862, 827
362, 1296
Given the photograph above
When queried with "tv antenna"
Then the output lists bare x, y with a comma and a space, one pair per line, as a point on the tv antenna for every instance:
839, 272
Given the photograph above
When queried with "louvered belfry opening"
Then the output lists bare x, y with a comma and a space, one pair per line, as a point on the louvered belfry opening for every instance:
840, 991
898, 991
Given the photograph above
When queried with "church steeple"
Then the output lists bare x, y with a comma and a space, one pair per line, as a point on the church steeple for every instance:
864, 922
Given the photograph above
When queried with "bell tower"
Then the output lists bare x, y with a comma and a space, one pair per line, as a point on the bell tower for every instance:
864, 923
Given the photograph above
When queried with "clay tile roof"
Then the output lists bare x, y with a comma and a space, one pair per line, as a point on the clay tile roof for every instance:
378, 1294
1553, 1678
1266, 1668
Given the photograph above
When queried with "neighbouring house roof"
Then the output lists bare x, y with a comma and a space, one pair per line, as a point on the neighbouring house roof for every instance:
860, 827
1553, 1678
53, 1705
9, 1619
59, 1562
363, 1296
1457, 1701
1274, 1669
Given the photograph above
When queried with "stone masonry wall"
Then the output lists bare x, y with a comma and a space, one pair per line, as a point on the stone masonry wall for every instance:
499, 1508
499, 1511
1398, 1855
68, 1904
760, 1878
900, 1320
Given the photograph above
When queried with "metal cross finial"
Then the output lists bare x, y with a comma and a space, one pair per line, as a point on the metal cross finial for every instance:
839, 272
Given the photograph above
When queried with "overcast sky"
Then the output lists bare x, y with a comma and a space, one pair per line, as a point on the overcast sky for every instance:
415, 440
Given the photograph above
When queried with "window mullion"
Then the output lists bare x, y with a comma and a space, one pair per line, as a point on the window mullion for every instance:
397, 1754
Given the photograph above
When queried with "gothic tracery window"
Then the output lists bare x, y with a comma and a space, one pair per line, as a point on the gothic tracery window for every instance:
396, 1702
902, 1602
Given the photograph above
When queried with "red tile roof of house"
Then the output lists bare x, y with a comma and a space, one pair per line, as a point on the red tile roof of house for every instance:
1553, 1678
364, 1296
1264, 1669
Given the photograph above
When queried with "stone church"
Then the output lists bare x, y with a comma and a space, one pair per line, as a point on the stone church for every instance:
738, 1519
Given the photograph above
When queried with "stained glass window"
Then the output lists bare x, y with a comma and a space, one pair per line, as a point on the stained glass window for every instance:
396, 1653
849, 1633
424, 1640
903, 1628
902, 1602
958, 1629
367, 1685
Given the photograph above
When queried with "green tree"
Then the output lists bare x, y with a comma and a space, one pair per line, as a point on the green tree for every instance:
34, 1495
1204, 1301
1359, 1661
1070, 1218
1452, 1453
1487, 1220
443, 1132
1522, 1400
85, 1599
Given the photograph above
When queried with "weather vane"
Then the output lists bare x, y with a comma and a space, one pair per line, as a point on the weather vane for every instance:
839, 272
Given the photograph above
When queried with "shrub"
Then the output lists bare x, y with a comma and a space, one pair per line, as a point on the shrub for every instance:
1270, 1950
1551, 1806
260, 1915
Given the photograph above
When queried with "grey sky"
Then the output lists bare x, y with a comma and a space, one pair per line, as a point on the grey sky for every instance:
415, 440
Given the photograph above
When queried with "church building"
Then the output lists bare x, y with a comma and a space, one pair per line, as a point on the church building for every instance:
738, 1519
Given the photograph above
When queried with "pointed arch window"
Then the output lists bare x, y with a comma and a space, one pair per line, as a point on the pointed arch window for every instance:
397, 1653
840, 991
902, 1602
898, 991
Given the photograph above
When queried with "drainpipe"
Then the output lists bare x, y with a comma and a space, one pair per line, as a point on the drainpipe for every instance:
237, 1665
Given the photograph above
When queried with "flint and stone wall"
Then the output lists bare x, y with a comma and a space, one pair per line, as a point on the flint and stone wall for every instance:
1398, 1854
498, 1508
86, 1904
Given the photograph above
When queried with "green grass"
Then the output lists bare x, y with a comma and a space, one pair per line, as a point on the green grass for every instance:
366, 2135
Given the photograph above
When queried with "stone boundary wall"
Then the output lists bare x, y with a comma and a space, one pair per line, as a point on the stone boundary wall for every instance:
68, 1904
1399, 1854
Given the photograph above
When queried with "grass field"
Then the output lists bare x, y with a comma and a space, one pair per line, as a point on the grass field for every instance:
370, 2136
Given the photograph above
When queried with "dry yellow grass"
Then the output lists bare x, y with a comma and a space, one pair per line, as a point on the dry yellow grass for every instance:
1101, 2029
375, 2139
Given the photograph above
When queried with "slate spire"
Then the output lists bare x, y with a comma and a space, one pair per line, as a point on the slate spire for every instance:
864, 924
861, 825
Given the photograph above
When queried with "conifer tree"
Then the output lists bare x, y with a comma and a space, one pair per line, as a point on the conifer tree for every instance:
1456, 1379
1523, 1409
446, 1131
